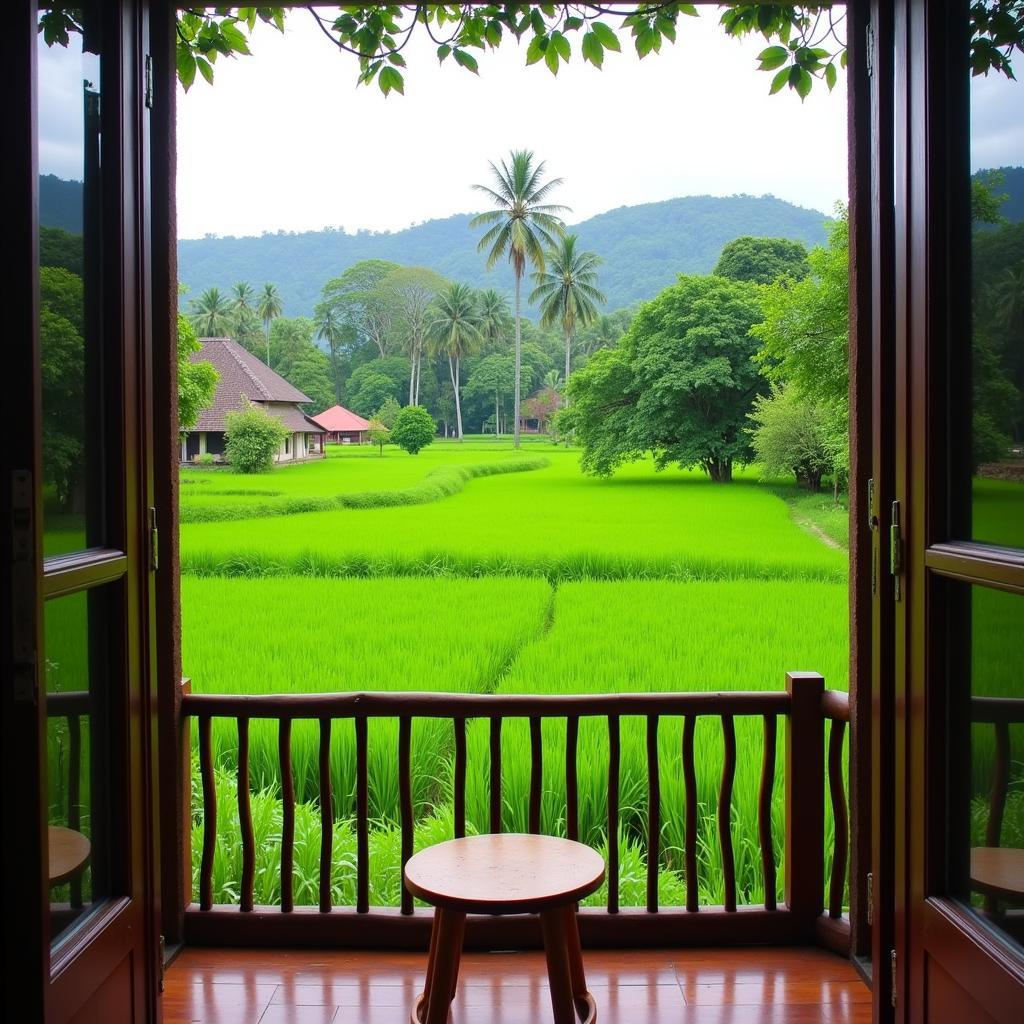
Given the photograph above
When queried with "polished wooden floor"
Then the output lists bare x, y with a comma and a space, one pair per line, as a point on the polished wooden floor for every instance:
704, 986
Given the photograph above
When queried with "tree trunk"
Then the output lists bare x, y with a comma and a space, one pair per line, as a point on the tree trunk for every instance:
418, 363
268, 343
568, 362
497, 417
453, 369
412, 376
720, 470
519, 356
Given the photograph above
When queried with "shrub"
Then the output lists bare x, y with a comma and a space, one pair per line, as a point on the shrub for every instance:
253, 437
379, 434
206, 459
414, 429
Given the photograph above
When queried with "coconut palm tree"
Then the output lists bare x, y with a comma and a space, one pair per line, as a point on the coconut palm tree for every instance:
246, 328
211, 314
330, 326
242, 295
453, 330
519, 227
552, 380
567, 291
495, 317
268, 307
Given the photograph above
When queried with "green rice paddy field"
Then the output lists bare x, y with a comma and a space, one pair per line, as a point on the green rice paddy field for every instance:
475, 568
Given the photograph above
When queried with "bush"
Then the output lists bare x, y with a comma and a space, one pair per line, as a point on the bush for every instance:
206, 459
253, 438
414, 429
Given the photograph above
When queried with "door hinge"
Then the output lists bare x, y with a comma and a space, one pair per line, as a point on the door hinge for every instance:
149, 82
154, 541
162, 953
869, 49
893, 988
896, 549
871, 897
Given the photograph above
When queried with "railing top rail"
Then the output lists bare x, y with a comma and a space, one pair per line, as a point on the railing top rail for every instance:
482, 705
835, 705
997, 709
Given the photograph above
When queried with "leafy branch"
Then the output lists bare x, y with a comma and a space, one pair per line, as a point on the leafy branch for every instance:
806, 41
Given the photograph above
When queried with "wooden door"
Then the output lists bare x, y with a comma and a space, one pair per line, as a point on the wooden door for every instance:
80, 940
955, 530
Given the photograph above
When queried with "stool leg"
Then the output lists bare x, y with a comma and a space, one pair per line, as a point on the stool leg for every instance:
450, 927
552, 924
575, 953
421, 1004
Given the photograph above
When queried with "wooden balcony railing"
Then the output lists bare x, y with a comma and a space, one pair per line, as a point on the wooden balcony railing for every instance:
804, 916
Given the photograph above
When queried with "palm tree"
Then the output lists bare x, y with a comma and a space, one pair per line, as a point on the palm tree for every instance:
522, 224
329, 325
268, 307
567, 292
246, 328
494, 315
453, 330
552, 380
241, 295
211, 314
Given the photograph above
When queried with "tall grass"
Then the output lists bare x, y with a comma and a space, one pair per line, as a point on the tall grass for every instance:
506, 636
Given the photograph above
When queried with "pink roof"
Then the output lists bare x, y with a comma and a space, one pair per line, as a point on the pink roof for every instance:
338, 418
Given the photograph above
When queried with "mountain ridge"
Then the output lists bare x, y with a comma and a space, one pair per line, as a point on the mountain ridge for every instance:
644, 248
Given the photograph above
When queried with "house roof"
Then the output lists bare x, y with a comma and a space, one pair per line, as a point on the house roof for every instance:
338, 418
244, 379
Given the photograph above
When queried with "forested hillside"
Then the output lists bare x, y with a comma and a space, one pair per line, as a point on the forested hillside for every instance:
643, 247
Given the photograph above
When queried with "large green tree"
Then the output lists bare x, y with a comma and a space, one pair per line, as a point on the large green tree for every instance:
453, 331
520, 227
197, 381
362, 304
411, 291
567, 293
679, 385
762, 260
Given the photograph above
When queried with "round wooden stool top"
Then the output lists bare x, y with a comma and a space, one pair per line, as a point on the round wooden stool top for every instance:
69, 850
504, 874
998, 871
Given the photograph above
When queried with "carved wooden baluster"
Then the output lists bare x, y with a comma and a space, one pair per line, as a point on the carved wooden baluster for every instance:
837, 883
613, 814
572, 795
362, 820
459, 782
405, 800
245, 818
725, 811
690, 785
209, 813
536, 773
326, 816
764, 811
496, 774
284, 754
653, 813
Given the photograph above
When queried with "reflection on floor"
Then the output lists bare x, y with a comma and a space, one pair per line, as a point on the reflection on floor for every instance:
709, 986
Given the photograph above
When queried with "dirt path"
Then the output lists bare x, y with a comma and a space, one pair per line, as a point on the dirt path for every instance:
817, 531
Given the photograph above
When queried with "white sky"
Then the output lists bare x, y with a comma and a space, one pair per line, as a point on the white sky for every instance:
286, 140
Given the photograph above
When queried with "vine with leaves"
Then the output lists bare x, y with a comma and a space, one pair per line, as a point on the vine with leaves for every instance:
806, 41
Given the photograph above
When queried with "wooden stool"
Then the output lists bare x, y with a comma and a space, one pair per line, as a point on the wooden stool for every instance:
69, 851
505, 874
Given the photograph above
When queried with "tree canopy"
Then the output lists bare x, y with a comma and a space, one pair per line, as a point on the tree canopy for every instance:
762, 260
679, 384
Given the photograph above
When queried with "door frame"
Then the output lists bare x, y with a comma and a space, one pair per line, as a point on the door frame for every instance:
54, 982
932, 110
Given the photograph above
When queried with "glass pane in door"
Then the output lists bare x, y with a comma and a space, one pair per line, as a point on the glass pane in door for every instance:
987, 726
80, 651
70, 266
995, 417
